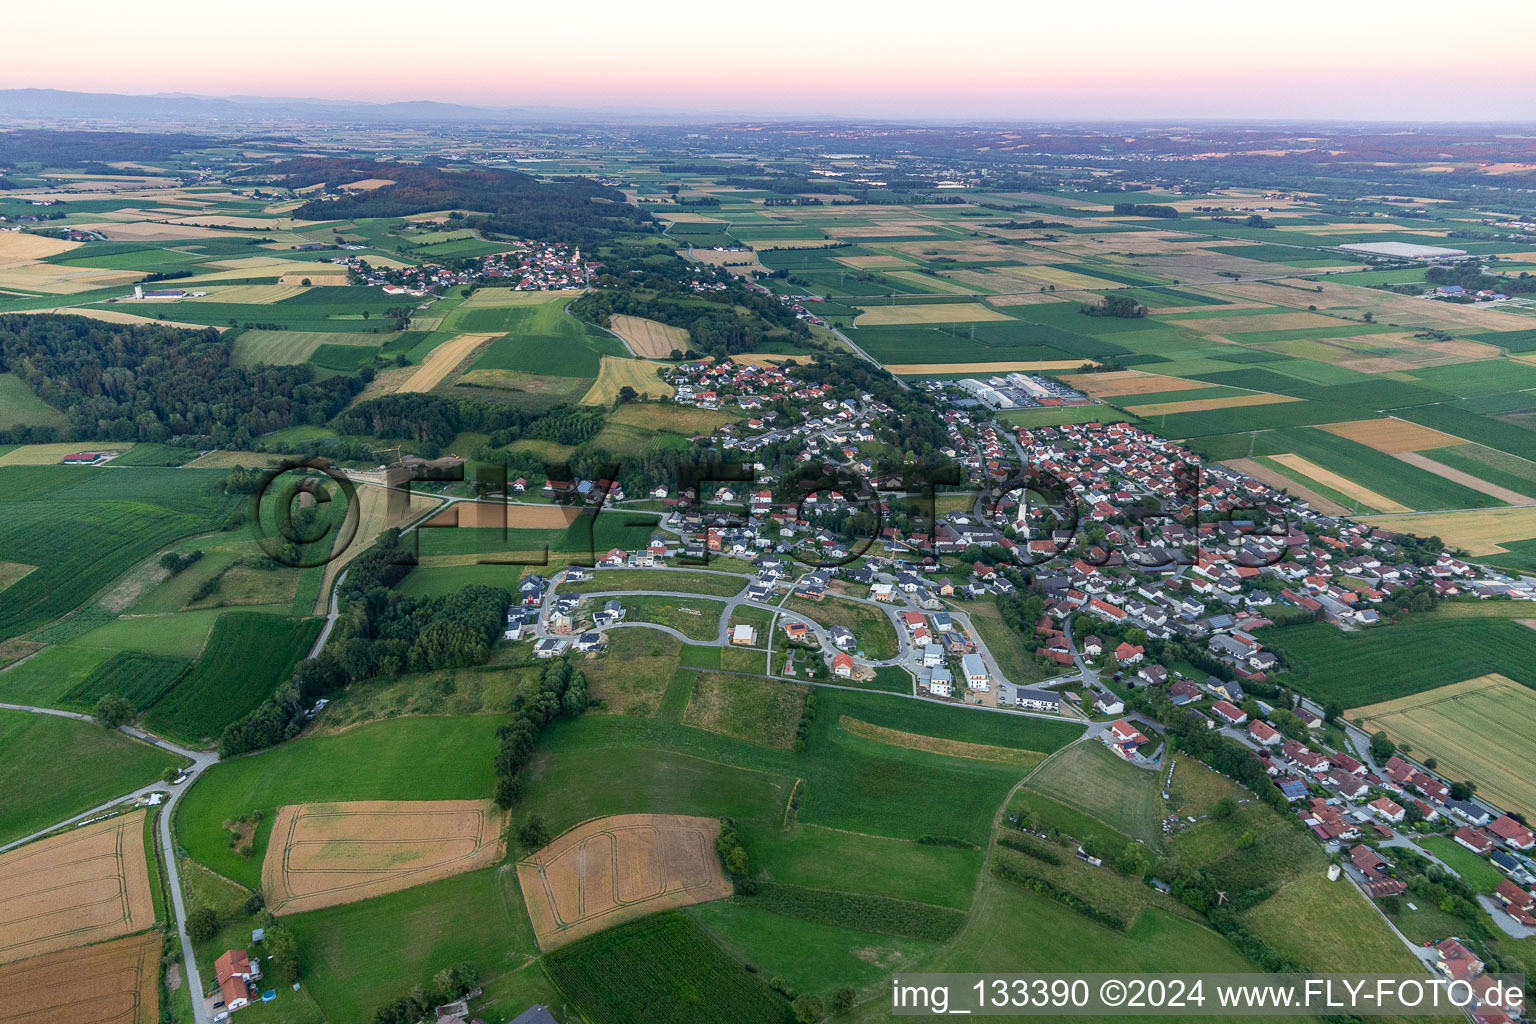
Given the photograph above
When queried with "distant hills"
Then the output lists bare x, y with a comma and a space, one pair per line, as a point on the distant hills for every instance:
59, 105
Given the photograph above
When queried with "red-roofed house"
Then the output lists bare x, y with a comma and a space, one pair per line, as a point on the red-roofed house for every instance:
1457, 960
1474, 839
842, 666
1518, 903
1386, 810
1125, 738
1128, 654
1229, 712
1513, 833
1264, 733
231, 972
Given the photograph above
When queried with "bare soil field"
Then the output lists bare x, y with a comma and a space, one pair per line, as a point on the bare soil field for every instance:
76, 888
369, 184
1478, 729
1027, 366
613, 869
443, 360
148, 231
1387, 307
1202, 404
930, 313
322, 855
647, 337
110, 983
517, 517
1465, 479
1481, 531
1343, 485
1128, 382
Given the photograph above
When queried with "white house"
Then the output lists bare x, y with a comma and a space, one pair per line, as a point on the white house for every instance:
975, 670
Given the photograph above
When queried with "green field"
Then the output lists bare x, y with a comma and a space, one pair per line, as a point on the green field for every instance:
360, 956
248, 655
695, 618
285, 348
43, 679
871, 626
20, 407
661, 969
52, 768
138, 678
83, 531
1420, 653
418, 758
1089, 777
1477, 872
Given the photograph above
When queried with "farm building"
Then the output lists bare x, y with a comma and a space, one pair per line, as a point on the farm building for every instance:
744, 635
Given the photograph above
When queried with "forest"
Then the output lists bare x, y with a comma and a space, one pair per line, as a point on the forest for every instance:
145, 382
576, 211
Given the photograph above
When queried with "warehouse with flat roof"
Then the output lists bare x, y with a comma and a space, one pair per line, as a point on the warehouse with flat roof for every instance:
1405, 251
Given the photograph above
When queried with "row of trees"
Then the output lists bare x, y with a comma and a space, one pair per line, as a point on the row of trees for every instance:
560, 690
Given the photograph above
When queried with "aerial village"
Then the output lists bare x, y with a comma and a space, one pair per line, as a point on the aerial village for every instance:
1143, 564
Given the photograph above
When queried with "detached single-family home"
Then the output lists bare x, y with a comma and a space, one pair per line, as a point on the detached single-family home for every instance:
233, 972
1264, 733
1129, 654
1386, 810
744, 635
842, 666
1229, 712
1476, 840
1515, 835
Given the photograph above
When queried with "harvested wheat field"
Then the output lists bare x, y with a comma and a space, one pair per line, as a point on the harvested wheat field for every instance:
647, 337
1344, 485
617, 373
368, 184
59, 279
117, 316
1478, 729
443, 360
1445, 472
322, 855
930, 313
494, 514
1392, 435
18, 245
742, 264
68, 890
1204, 404
1026, 366
613, 869
1482, 531
317, 275
1128, 382
110, 983
249, 294
1269, 475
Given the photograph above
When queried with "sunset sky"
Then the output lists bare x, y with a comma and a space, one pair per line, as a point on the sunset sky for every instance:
1404, 60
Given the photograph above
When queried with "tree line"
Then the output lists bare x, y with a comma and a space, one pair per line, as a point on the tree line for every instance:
378, 632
